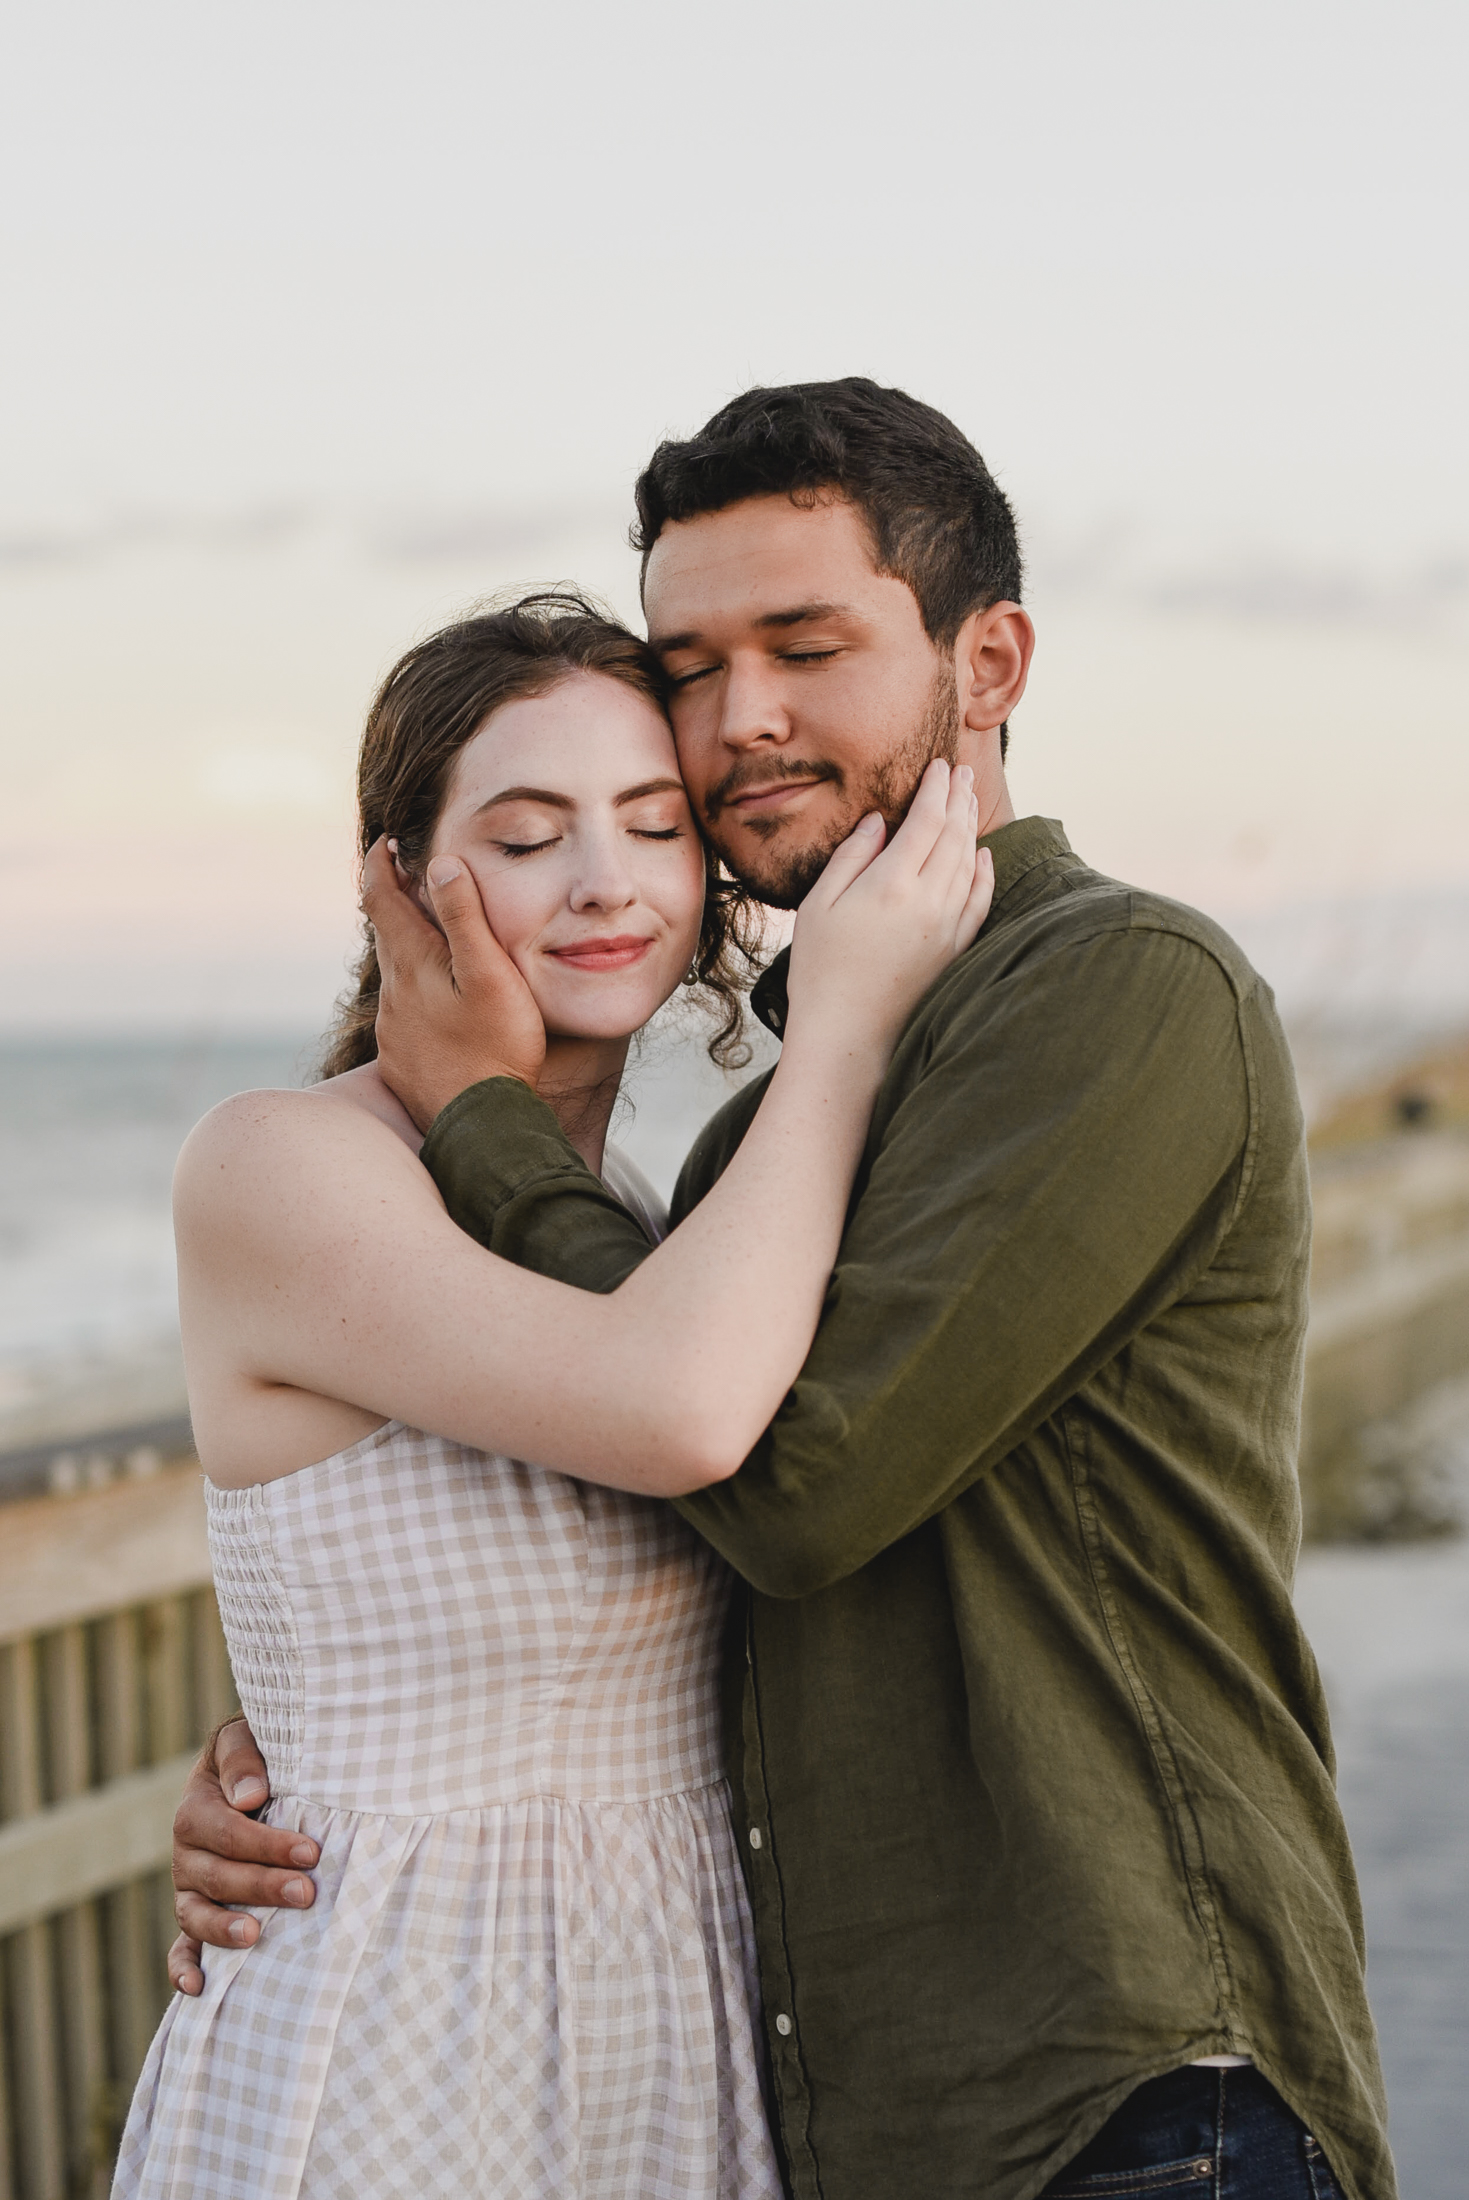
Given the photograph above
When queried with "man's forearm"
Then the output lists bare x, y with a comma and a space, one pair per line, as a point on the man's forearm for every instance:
510, 1180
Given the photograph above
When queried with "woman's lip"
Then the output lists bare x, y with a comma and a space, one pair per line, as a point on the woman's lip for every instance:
619, 952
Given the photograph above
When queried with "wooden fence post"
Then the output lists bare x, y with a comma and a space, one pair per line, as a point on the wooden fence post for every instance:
37, 2113
78, 1942
129, 1940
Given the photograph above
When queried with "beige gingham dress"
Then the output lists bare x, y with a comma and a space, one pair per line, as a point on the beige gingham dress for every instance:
490, 1693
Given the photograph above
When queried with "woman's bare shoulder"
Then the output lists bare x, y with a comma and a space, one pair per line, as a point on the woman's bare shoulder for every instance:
276, 1142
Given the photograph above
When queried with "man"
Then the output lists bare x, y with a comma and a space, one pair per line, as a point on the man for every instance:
1051, 1887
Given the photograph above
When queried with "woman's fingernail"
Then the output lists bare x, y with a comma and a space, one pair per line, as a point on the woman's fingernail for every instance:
304, 1852
293, 1890
872, 823
246, 1793
965, 775
240, 1931
443, 869
392, 847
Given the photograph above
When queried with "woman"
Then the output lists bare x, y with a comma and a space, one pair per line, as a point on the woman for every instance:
487, 1689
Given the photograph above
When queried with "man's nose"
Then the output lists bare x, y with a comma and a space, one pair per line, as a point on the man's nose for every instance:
753, 710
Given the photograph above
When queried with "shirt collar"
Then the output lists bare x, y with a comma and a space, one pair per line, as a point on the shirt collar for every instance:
1018, 849
1022, 847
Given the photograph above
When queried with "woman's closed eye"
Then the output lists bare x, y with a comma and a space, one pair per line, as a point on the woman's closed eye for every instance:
526, 847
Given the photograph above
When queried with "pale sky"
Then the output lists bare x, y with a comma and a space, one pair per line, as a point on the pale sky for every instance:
323, 320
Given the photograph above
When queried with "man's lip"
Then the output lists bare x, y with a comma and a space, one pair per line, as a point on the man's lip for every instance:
771, 792
615, 951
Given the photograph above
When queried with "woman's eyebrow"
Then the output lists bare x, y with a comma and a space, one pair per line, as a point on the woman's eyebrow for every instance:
551, 800
648, 786
526, 794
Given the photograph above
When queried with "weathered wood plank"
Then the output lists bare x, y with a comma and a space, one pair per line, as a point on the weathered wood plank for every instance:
70, 1558
78, 1849
67, 1699
7, 2147
134, 2002
166, 1649
214, 1683
30, 1982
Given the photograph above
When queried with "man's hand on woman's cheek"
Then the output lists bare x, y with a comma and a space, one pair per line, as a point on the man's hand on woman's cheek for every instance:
453, 1009
223, 1857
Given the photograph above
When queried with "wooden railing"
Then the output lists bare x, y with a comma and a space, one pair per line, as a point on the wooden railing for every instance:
112, 1669
1389, 1325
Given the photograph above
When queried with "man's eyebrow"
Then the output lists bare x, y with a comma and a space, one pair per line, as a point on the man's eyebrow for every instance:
801, 612
796, 615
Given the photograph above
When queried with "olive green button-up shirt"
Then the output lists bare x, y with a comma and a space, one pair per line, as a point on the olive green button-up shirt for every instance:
1030, 1756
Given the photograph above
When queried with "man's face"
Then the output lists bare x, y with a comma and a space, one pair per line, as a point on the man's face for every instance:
805, 690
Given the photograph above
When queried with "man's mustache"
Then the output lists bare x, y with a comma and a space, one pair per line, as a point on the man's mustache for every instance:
740, 778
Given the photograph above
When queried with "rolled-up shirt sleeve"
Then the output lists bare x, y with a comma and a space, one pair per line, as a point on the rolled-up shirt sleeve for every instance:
511, 1179
1045, 1184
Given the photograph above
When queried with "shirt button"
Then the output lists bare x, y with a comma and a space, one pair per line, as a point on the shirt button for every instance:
757, 1839
783, 2025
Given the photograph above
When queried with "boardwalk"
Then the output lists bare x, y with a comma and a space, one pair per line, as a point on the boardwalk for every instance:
1391, 1630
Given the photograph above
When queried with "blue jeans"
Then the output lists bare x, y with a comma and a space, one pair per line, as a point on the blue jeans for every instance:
1204, 2134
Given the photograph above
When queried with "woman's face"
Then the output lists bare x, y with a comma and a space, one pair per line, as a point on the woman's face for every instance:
569, 810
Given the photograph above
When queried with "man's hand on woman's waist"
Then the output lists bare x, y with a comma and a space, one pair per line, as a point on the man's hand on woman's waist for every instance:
224, 1859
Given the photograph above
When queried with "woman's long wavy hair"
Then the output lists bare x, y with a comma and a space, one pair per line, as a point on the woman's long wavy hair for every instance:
433, 703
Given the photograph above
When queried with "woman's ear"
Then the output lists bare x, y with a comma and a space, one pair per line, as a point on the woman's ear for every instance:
412, 887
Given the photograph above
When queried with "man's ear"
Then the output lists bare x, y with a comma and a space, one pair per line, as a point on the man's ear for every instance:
992, 656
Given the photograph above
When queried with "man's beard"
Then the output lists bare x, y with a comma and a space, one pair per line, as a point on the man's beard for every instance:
782, 877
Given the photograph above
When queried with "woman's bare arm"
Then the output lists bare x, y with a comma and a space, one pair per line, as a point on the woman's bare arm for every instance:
316, 1258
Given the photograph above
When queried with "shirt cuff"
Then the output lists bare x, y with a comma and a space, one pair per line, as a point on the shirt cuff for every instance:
490, 1142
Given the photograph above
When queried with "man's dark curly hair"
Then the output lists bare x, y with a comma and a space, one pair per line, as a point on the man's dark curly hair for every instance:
937, 517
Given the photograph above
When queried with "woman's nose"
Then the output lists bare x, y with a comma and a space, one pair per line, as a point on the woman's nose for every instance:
603, 881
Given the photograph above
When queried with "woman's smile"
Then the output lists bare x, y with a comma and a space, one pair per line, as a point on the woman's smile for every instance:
615, 951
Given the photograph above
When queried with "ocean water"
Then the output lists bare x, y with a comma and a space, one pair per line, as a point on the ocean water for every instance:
89, 1133
90, 1129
